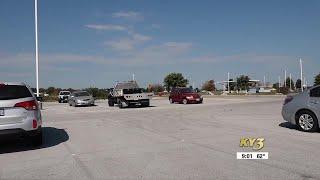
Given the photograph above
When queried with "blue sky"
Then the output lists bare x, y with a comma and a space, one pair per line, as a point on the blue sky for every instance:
95, 43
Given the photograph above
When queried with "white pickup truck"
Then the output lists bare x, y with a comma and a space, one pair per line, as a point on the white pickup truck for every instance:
129, 94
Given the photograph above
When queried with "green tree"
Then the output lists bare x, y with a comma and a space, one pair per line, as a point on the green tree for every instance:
155, 88
317, 80
175, 80
288, 82
276, 86
51, 90
243, 82
209, 86
97, 93
298, 84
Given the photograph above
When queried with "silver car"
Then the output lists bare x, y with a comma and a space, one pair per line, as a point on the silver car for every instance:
303, 109
81, 98
19, 112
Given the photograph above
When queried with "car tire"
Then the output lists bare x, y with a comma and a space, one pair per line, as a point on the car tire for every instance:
120, 104
37, 139
184, 101
59, 101
171, 101
305, 119
145, 104
110, 103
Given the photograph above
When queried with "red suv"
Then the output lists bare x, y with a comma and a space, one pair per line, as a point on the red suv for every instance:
185, 96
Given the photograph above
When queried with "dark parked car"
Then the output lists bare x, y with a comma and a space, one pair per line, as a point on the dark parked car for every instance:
185, 96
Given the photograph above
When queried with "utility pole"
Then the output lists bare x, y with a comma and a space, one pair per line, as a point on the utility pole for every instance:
264, 81
37, 51
290, 82
279, 83
285, 78
228, 82
132, 77
301, 74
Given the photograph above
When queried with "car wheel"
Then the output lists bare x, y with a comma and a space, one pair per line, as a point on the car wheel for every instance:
110, 103
120, 104
171, 101
70, 104
145, 104
185, 101
307, 121
37, 139
59, 101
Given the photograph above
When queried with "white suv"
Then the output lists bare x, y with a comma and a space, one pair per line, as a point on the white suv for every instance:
19, 112
64, 96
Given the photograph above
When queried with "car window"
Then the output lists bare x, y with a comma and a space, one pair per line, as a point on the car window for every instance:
64, 93
132, 91
79, 94
315, 92
8, 92
186, 90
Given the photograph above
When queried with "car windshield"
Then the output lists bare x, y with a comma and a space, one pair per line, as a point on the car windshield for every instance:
64, 93
79, 94
8, 92
186, 90
132, 91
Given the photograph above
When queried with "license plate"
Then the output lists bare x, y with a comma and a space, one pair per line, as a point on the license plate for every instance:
198, 99
1, 112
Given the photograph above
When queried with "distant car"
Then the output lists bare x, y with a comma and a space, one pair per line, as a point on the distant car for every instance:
20, 112
303, 109
81, 98
63, 96
185, 96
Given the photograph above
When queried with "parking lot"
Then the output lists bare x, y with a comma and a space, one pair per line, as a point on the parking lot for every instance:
164, 141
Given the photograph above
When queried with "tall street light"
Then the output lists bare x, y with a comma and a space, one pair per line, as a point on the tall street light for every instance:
301, 75
37, 52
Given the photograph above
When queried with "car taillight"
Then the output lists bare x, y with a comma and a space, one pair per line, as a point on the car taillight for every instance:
287, 100
28, 105
34, 124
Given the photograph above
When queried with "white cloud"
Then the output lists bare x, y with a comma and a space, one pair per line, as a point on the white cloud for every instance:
155, 26
106, 27
178, 46
121, 44
130, 15
127, 44
141, 38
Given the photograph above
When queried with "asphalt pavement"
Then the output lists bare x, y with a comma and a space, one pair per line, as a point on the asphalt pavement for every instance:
164, 141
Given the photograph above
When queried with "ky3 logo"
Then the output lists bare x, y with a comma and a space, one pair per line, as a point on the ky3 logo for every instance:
254, 143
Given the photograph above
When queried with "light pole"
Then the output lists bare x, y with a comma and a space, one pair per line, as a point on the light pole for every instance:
301, 75
37, 51
279, 83
285, 78
290, 81
228, 82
